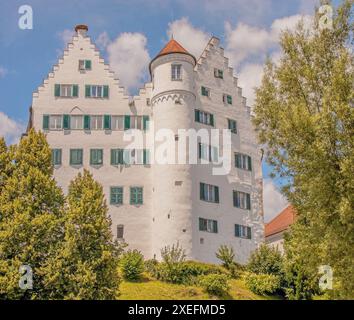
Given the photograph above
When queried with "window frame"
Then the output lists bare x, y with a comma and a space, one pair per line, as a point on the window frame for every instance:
71, 156
119, 195
134, 198
175, 75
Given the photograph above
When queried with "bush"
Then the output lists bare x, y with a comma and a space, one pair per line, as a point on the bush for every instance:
262, 284
216, 284
132, 265
195, 268
266, 260
226, 255
150, 266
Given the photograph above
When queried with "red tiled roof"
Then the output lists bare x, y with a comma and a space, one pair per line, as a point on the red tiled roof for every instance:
172, 47
281, 222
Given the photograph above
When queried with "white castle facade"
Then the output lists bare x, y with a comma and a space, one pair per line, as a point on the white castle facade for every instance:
85, 114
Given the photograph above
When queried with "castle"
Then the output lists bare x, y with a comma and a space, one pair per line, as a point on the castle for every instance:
85, 114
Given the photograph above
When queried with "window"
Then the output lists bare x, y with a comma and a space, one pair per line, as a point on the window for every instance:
76, 157
66, 90
56, 157
56, 122
96, 91
77, 122
116, 195
209, 193
136, 195
120, 232
96, 123
117, 123
117, 157
243, 231
136, 122
242, 200
204, 117
218, 73
84, 65
232, 125
227, 99
208, 153
176, 72
136, 156
208, 225
243, 161
205, 92
96, 157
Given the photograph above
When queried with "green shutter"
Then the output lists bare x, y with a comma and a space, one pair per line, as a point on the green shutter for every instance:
132, 196
229, 99
216, 194
249, 233
88, 64
249, 163
75, 90
107, 122
45, 122
145, 123
248, 198
105, 91
57, 90
215, 226
87, 91
66, 122
120, 156
87, 122
56, 157
237, 160
212, 120
197, 115
146, 156
114, 157
237, 230
126, 122
202, 186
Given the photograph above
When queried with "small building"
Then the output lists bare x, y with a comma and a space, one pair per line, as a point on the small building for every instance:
275, 229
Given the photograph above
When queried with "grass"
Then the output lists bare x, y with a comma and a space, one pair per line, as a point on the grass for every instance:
148, 289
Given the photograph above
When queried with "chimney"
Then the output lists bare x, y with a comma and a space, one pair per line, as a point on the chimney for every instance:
81, 29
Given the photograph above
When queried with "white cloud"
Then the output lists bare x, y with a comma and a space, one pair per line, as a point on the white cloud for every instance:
247, 48
250, 77
103, 40
3, 72
128, 57
66, 36
273, 200
192, 39
10, 129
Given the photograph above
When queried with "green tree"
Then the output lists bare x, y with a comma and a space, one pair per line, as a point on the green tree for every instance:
86, 264
304, 115
30, 213
266, 260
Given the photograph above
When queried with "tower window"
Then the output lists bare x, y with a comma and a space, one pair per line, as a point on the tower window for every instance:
209, 193
242, 200
176, 72
84, 65
120, 232
218, 73
208, 225
243, 161
205, 92
227, 99
232, 125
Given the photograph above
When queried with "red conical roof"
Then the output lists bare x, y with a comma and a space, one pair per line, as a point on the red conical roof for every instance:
172, 47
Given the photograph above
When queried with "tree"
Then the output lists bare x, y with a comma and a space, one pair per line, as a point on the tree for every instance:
86, 264
226, 255
304, 115
30, 213
266, 260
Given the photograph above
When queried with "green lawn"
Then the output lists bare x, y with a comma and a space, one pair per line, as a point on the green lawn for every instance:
156, 290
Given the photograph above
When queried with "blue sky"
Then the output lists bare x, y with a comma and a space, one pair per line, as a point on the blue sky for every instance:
247, 29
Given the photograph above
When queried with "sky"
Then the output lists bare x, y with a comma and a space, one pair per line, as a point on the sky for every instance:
129, 33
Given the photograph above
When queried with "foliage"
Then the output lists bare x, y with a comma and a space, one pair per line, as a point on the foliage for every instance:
132, 265
304, 115
86, 262
150, 266
31, 207
266, 260
227, 256
216, 284
263, 284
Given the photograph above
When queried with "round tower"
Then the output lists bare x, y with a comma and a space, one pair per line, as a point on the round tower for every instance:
173, 100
